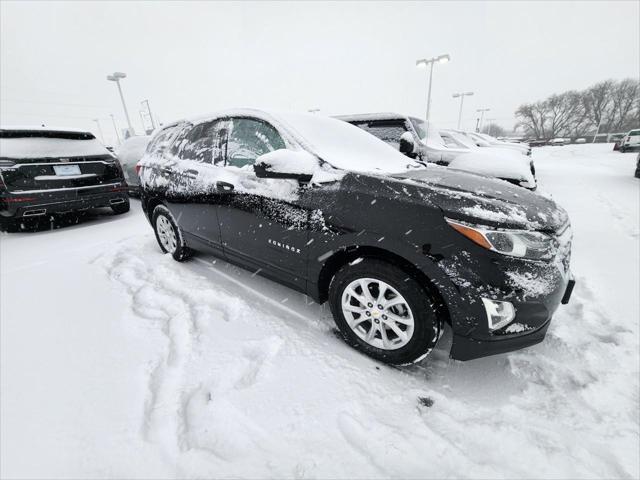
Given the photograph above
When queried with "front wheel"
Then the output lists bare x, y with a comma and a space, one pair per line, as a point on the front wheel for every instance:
168, 234
384, 312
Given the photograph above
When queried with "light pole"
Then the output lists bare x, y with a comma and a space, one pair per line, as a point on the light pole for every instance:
99, 129
481, 110
115, 127
490, 120
461, 95
144, 127
146, 102
424, 63
115, 77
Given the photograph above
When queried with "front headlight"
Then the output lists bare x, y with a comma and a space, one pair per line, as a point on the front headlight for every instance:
516, 243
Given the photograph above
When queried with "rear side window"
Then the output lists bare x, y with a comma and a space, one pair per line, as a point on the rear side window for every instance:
204, 143
249, 138
388, 131
162, 140
633, 133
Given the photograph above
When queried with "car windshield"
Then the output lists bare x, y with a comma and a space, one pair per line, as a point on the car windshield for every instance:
345, 146
15, 143
461, 139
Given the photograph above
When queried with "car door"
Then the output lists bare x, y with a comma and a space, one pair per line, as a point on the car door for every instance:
263, 224
193, 196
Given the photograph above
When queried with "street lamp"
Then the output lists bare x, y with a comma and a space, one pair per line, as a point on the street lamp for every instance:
99, 129
429, 62
146, 102
115, 127
461, 95
481, 110
115, 77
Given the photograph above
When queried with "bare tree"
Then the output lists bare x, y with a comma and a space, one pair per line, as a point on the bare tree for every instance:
609, 106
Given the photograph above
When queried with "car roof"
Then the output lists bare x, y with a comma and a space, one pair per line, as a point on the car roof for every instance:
40, 128
363, 117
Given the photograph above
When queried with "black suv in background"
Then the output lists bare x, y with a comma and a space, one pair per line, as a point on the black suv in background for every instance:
397, 249
45, 172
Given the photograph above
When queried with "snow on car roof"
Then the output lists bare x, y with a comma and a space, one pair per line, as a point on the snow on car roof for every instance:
336, 142
369, 116
41, 128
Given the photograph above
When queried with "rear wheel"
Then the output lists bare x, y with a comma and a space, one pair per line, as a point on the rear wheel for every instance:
123, 207
168, 234
384, 312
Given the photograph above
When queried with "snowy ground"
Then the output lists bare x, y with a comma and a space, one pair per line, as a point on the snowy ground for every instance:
118, 362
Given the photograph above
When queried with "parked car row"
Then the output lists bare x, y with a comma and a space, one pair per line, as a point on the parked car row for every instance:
368, 213
468, 151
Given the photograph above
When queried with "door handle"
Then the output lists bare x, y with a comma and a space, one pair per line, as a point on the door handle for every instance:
224, 186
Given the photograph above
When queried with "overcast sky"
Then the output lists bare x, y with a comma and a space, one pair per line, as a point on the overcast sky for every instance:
193, 58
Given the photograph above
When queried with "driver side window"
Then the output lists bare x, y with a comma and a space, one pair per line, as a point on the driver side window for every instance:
249, 138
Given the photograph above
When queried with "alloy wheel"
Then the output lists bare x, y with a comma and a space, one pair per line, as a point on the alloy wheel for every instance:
377, 313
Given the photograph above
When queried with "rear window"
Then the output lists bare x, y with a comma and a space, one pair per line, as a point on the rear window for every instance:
388, 131
48, 144
633, 133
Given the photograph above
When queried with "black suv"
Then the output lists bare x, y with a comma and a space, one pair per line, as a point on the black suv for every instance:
397, 248
45, 172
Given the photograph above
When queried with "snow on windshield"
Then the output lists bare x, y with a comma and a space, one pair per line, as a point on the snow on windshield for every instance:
345, 146
41, 147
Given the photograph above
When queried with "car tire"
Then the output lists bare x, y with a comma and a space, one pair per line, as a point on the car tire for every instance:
408, 301
120, 208
9, 225
622, 149
169, 234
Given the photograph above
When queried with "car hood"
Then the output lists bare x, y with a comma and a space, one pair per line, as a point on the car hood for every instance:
482, 200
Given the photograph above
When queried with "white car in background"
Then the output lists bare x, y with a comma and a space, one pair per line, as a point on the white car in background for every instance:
631, 141
447, 147
484, 140
129, 154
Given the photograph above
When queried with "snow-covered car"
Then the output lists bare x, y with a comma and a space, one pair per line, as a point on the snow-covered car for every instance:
558, 142
631, 141
47, 171
129, 154
442, 147
503, 163
484, 140
396, 248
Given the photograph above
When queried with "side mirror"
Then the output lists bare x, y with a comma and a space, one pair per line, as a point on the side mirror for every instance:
291, 164
407, 145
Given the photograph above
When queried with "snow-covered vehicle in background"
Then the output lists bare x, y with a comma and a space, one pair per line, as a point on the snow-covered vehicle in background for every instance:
396, 248
129, 154
631, 141
47, 171
442, 147
484, 140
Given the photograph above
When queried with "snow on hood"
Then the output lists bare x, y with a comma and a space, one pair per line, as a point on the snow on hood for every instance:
481, 200
345, 146
496, 163
42, 147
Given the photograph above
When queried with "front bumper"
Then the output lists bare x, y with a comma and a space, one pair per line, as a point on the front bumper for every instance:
529, 327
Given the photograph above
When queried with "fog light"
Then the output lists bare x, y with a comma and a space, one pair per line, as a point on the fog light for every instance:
499, 313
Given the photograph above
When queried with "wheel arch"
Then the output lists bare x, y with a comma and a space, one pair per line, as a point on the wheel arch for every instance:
350, 254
